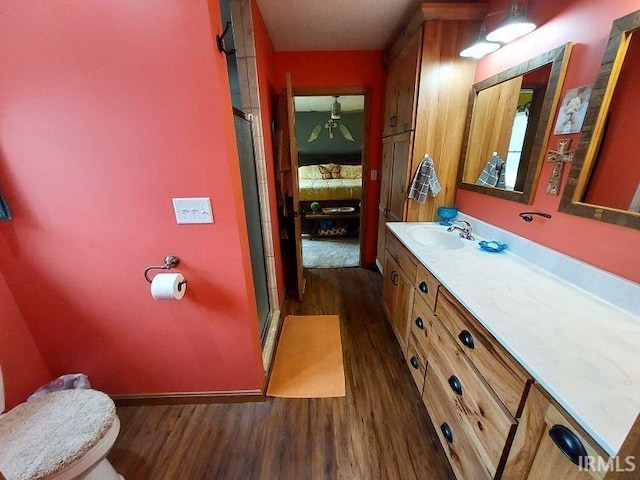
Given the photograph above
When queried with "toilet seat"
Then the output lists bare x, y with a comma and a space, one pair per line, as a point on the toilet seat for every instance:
92, 458
57, 435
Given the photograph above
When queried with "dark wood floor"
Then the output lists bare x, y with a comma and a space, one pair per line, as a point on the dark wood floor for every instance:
380, 430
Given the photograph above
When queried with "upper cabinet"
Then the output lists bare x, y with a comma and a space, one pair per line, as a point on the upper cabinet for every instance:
401, 89
427, 88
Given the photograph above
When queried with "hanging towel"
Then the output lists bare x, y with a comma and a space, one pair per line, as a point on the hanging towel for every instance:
425, 180
493, 173
5, 214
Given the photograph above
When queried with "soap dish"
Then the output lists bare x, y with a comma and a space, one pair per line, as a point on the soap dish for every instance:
492, 246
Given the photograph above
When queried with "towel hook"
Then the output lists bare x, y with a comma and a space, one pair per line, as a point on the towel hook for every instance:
170, 261
220, 41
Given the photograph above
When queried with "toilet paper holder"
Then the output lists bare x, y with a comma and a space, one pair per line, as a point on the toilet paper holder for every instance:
170, 261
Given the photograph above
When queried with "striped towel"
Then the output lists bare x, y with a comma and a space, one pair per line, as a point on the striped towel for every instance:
425, 180
5, 214
493, 173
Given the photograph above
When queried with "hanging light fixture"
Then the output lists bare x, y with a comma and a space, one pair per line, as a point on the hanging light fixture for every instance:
336, 109
514, 26
481, 46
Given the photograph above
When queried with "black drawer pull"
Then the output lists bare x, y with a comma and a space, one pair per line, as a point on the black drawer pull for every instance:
466, 339
455, 384
569, 444
394, 277
420, 323
446, 431
424, 288
414, 362
392, 121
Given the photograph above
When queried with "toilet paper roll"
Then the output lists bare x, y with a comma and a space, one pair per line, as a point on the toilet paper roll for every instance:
168, 286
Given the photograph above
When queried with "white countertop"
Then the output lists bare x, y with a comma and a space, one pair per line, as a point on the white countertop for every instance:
584, 351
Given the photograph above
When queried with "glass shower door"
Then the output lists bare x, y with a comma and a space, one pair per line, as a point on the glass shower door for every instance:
246, 154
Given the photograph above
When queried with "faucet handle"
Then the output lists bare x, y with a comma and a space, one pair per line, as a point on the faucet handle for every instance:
464, 222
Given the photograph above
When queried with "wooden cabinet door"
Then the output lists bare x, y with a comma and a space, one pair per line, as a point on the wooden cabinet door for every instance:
380, 252
535, 455
402, 147
385, 188
390, 100
389, 289
407, 84
397, 297
401, 88
551, 462
404, 301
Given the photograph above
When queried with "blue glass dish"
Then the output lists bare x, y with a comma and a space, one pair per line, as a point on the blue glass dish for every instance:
492, 246
447, 213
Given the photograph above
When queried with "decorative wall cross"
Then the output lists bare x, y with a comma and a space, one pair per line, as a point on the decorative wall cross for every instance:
559, 157
330, 125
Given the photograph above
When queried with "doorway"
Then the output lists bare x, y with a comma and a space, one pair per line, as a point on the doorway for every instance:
329, 130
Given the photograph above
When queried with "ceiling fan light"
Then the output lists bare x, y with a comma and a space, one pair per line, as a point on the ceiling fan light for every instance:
516, 25
336, 109
479, 49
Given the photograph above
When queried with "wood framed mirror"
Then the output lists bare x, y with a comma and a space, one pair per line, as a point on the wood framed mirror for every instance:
604, 180
510, 118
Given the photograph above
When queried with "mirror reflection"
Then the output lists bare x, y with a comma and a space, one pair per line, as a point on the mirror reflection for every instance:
502, 130
604, 181
615, 180
508, 124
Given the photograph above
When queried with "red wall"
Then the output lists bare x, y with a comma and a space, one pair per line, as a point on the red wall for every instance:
268, 99
108, 110
615, 179
344, 69
23, 367
586, 23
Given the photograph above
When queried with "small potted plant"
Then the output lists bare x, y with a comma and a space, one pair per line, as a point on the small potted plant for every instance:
314, 207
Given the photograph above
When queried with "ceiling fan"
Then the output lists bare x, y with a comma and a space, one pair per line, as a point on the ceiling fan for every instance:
331, 125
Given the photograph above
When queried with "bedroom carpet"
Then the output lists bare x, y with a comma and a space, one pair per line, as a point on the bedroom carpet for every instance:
308, 361
330, 252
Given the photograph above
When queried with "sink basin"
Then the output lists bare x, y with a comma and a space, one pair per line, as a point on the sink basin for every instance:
435, 237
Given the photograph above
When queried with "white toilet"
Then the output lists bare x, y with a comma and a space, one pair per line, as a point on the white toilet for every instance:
63, 435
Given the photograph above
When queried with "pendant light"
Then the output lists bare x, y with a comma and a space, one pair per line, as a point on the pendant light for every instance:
480, 47
514, 26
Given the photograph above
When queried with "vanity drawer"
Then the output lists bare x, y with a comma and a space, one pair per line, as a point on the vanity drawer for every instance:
427, 286
463, 457
417, 360
505, 376
485, 419
421, 321
401, 255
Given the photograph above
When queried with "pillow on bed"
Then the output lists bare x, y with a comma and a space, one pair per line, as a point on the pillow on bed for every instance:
351, 171
329, 171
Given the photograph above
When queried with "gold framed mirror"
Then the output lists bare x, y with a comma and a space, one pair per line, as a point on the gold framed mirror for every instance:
508, 125
604, 180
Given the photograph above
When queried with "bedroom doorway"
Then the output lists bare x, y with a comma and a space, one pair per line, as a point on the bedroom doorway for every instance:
330, 133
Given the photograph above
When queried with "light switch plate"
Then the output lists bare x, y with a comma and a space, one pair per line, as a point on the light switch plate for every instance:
193, 210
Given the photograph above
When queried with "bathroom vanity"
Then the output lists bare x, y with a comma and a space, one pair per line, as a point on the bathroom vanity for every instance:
525, 375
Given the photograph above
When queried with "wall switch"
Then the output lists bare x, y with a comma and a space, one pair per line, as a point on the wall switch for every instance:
193, 210
374, 175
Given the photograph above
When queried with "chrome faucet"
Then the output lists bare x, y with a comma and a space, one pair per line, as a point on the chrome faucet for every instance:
465, 230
